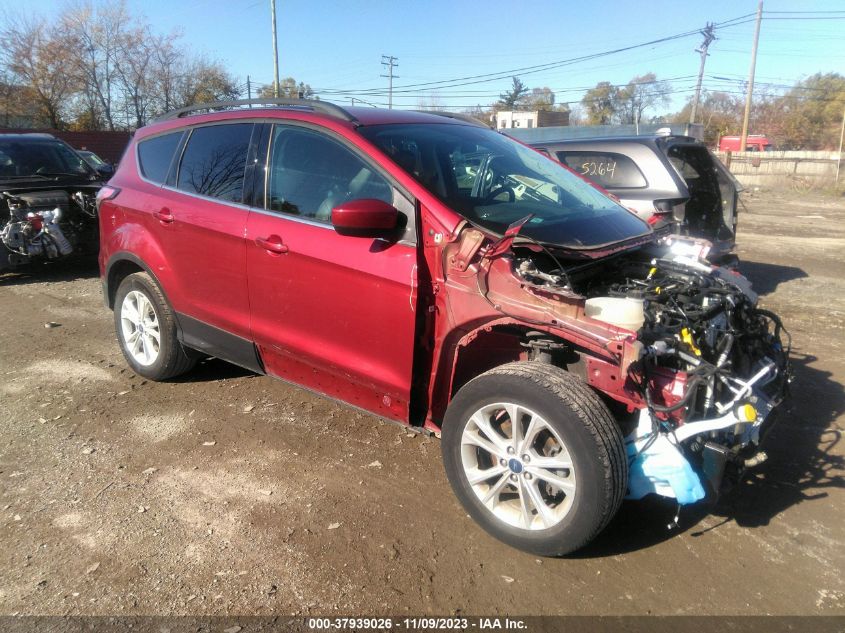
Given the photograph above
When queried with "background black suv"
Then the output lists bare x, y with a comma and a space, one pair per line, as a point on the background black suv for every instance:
47, 200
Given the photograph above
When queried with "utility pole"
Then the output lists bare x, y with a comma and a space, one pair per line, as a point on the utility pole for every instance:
744, 138
248, 89
709, 36
275, 50
389, 61
839, 155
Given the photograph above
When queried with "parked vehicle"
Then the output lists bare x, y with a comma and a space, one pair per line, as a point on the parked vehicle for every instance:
664, 179
437, 273
753, 143
104, 169
47, 200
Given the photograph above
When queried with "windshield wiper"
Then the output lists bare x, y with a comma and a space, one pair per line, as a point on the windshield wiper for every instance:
30, 177
58, 174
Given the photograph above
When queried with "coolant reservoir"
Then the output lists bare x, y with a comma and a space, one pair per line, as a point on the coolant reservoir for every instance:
619, 311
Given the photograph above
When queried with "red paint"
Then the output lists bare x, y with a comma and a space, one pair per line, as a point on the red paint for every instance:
366, 215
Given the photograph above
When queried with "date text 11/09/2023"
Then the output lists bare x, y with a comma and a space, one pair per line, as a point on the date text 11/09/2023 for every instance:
417, 624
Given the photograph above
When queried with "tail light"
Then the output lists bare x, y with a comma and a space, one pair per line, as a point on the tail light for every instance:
107, 192
668, 211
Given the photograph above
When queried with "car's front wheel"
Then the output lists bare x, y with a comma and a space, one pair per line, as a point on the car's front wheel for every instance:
535, 457
146, 330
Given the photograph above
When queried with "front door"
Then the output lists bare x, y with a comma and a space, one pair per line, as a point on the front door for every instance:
330, 312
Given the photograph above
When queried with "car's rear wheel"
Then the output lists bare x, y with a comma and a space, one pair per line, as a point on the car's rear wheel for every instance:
535, 457
146, 330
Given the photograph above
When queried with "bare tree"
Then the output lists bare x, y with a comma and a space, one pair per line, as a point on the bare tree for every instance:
96, 66
642, 93
430, 102
96, 37
37, 55
204, 81
164, 72
133, 70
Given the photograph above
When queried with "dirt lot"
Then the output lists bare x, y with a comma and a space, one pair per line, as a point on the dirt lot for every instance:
230, 493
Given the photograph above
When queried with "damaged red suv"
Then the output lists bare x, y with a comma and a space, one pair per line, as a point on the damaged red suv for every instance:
436, 273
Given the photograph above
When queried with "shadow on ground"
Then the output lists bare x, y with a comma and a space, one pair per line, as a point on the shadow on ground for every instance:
765, 278
63, 270
800, 469
211, 369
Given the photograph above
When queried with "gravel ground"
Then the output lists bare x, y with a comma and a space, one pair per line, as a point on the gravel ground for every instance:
230, 493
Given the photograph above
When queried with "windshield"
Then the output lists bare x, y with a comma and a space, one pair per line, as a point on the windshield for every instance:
494, 181
22, 158
91, 158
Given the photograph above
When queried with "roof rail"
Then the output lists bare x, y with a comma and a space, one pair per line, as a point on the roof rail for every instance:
466, 118
307, 104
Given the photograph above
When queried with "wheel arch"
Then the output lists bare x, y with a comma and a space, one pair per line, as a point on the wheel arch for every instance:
467, 354
118, 268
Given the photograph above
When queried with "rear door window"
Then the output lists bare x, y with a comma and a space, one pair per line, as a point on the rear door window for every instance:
608, 169
214, 161
155, 155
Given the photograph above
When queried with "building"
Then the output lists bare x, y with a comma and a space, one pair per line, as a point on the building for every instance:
506, 119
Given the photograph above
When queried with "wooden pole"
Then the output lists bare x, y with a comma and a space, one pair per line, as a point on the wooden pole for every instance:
275, 50
839, 156
744, 138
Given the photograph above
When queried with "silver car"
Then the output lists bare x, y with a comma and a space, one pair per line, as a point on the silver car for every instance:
672, 179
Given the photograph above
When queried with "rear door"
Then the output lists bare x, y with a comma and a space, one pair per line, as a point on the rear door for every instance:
331, 312
201, 219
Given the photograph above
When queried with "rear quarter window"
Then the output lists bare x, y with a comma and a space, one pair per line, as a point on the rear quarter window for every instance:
608, 169
155, 155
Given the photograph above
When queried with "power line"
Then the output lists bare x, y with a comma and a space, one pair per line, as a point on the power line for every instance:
525, 70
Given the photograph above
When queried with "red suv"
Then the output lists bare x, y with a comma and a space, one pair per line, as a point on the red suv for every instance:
434, 272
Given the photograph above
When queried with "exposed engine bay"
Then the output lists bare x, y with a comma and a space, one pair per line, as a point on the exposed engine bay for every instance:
702, 325
46, 224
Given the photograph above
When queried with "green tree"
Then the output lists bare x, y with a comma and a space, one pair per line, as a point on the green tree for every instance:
808, 116
601, 104
719, 112
511, 99
289, 88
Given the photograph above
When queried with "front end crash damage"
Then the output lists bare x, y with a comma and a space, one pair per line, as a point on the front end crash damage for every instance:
684, 357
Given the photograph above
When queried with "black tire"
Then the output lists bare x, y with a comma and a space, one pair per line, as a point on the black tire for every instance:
172, 360
585, 426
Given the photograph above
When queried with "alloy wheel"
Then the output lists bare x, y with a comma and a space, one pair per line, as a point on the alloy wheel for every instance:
140, 328
518, 466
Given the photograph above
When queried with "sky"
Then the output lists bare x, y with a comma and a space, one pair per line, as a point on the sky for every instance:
336, 47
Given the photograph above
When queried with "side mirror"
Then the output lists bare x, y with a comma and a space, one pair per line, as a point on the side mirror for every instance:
105, 171
366, 217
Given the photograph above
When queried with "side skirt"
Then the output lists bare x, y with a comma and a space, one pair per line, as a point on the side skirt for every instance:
213, 341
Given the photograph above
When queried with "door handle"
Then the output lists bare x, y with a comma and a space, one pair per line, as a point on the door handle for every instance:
272, 244
164, 216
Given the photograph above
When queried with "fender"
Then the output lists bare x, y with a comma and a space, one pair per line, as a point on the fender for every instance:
131, 242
